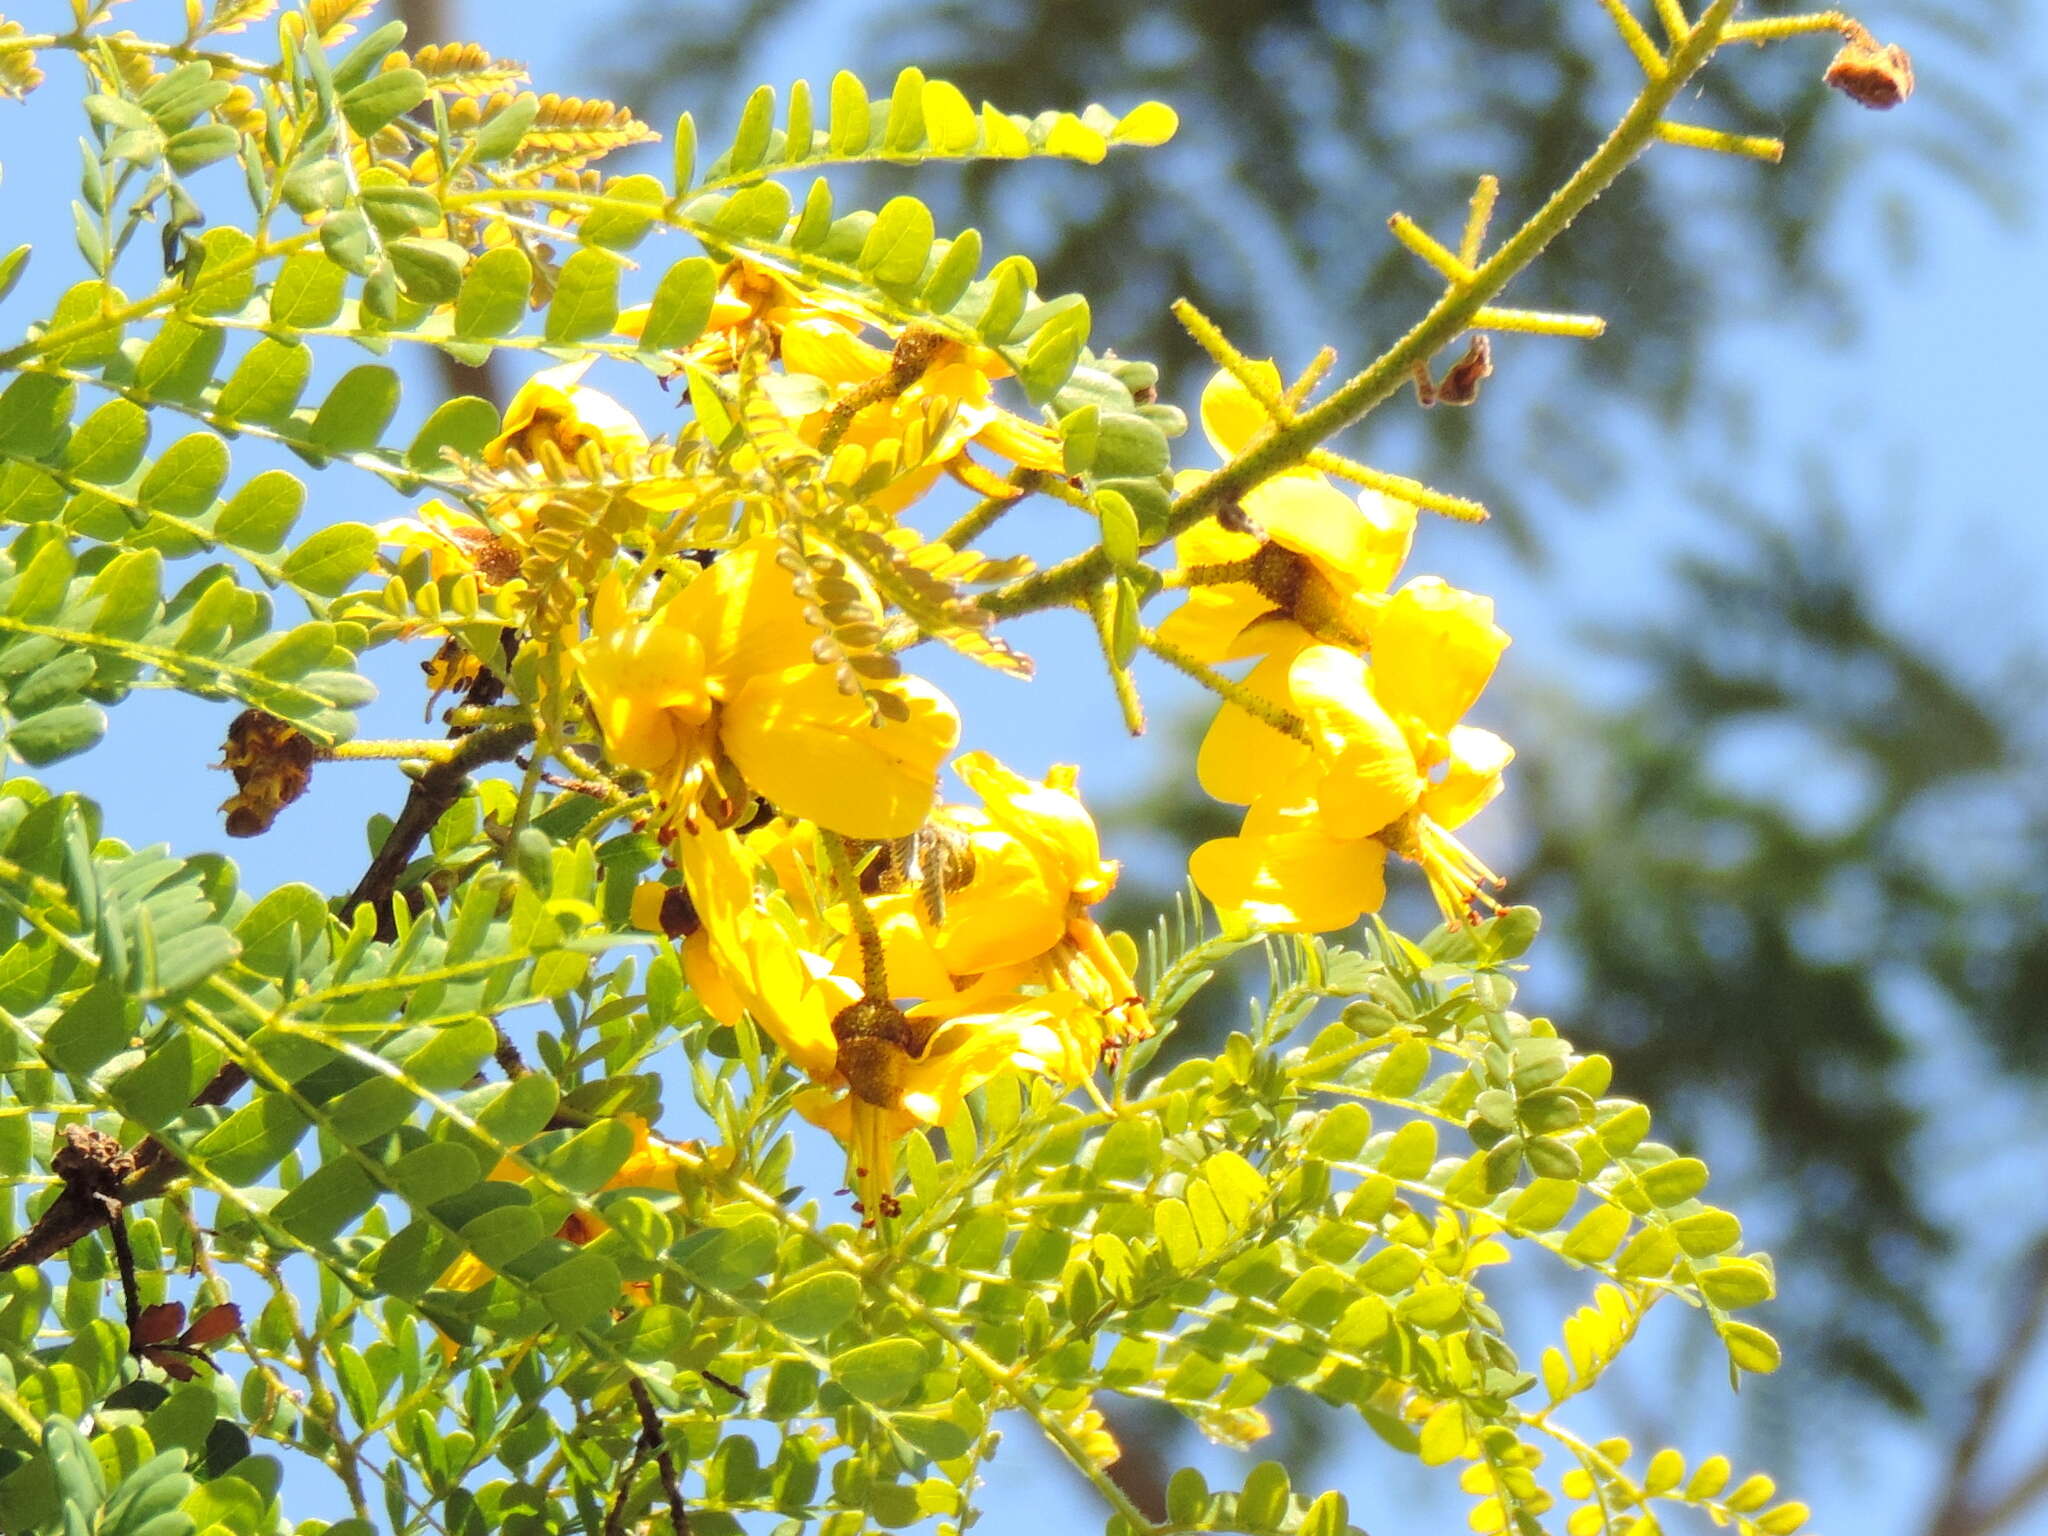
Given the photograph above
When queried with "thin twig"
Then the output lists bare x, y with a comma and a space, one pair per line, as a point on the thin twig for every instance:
1063, 584
124, 1261
99, 1181
653, 1438
1956, 1512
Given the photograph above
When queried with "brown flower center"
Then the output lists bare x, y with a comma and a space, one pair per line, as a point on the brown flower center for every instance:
876, 1042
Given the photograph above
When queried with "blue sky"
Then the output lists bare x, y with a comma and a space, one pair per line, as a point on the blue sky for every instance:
1926, 399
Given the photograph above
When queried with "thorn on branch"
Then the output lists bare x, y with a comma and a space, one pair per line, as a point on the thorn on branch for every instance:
506, 1054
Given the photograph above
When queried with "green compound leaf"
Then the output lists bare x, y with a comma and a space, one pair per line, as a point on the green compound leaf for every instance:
377, 100
814, 1308
899, 243
307, 292
75, 635
428, 271
108, 445
266, 385
464, 424
259, 517
681, 306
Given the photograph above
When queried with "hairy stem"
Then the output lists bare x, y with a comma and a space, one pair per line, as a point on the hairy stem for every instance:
1061, 585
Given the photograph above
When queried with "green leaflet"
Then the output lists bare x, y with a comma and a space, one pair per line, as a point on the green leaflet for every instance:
76, 632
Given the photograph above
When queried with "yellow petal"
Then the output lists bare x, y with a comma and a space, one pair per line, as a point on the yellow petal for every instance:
1208, 624
1210, 543
1051, 822
1006, 914
554, 405
780, 983
824, 349
1360, 543
654, 1162
1149, 123
1242, 757
647, 688
1284, 871
811, 751
963, 1053
710, 984
1470, 779
1231, 414
649, 896
1367, 776
745, 612
1434, 648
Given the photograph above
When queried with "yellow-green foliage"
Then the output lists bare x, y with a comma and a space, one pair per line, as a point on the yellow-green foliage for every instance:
318, 1089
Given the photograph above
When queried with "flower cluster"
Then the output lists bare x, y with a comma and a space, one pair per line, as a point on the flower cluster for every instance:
743, 694
901, 974
901, 952
1345, 741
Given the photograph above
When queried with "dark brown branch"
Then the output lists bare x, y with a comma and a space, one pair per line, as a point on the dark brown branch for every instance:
615, 1517
428, 21
1959, 1512
432, 793
506, 1053
93, 1167
652, 1438
124, 1260
98, 1174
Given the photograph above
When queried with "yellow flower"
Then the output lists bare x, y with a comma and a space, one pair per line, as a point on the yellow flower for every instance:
992, 900
1286, 869
556, 408
669, 911
896, 1072
715, 694
456, 542
1048, 821
1319, 557
1375, 774
655, 1163
1434, 651
909, 436
752, 306
878, 1071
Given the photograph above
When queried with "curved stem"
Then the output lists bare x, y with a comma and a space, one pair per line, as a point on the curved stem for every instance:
1062, 584
1232, 691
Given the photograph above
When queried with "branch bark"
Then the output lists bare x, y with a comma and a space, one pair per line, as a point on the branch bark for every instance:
432, 793
99, 1176
1960, 1511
